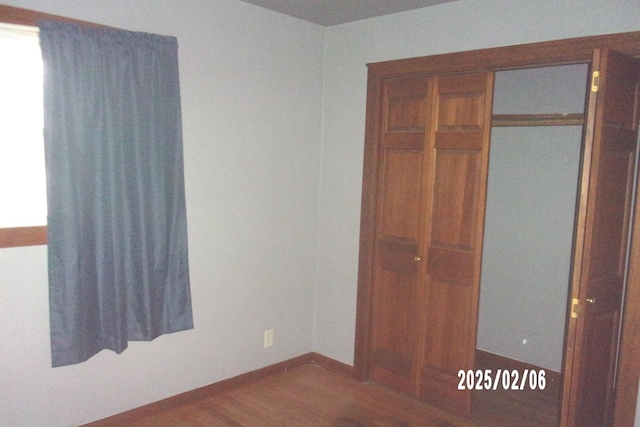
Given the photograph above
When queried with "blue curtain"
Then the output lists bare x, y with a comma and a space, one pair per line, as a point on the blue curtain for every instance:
117, 228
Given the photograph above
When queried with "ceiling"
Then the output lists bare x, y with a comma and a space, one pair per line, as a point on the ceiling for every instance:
334, 12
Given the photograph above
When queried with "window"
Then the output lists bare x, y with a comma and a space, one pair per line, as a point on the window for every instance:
22, 172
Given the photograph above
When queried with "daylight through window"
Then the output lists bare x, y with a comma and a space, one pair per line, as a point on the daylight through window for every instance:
22, 173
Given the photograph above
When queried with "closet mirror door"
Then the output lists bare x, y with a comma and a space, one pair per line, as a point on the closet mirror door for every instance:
601, 240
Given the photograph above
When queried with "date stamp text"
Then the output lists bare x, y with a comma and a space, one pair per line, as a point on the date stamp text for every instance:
487, 379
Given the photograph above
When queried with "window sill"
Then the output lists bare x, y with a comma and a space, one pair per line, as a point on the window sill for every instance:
23, 236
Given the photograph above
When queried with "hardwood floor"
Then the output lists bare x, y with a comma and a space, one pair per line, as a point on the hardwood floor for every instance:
310, 395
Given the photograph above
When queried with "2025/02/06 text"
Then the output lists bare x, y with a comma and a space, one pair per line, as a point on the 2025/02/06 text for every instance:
503, 379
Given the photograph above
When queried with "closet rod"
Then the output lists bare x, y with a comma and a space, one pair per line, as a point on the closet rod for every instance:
509, 120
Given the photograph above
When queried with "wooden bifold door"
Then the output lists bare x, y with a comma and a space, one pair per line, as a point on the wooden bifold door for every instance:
602, 233
424, 192
434, 149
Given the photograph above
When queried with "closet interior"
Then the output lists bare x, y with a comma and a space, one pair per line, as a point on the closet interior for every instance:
534, 164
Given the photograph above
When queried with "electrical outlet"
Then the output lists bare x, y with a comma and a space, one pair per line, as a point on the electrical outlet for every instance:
268, 338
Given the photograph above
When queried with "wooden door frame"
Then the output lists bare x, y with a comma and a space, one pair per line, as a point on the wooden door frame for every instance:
558, 52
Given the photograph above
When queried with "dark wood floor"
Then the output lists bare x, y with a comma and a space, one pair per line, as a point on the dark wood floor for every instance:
310, 395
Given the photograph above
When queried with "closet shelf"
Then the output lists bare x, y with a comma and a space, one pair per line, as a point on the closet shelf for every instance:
511, 120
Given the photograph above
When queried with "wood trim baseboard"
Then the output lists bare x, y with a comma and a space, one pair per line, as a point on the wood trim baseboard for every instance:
333, 365
487, 360
137, 414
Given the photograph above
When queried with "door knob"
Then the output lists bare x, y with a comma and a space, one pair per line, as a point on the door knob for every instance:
416, 259
591, 301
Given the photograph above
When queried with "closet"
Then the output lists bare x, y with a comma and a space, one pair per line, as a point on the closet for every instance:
427, 146
531, 200
534, 161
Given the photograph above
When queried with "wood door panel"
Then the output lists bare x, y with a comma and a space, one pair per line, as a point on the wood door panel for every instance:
406, 106
455, 195
459, 140
404, 140
460, 111
621, 111
459, 148
461, 104
399, 232
602, 239
595, 396
451, 266
610, 228
606, 292
447, 332
618, 140
393, 333
398, 255
449, 327
393, 328
401, 193
406, 114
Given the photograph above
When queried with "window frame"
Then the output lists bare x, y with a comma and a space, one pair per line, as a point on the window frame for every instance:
11, 237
